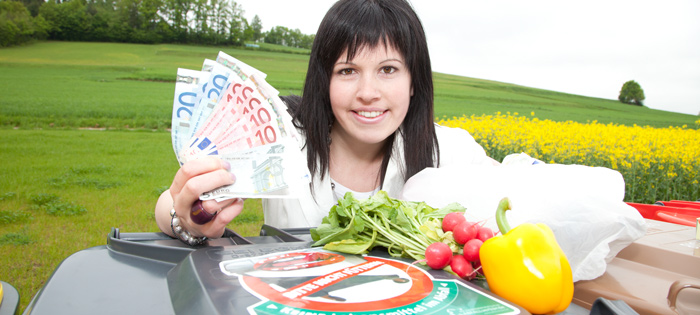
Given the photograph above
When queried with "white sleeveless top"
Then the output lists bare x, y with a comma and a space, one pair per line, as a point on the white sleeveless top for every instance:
457, 147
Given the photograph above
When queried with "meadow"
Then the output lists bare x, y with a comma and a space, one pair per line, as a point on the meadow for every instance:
85, 146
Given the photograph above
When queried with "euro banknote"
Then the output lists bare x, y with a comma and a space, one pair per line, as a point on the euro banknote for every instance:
242, 119
227, 109
216, 84
188, 88
266, 171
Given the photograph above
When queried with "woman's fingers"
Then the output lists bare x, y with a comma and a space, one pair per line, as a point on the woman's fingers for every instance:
228, 213
196, 168
193, 179
215, 228
195, 186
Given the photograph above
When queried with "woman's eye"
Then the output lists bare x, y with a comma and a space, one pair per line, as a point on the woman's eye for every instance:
346, 71
388, 70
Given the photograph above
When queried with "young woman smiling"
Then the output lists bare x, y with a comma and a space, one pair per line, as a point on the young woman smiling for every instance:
366, 115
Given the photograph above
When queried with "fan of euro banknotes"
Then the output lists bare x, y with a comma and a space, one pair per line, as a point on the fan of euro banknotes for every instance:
229, 110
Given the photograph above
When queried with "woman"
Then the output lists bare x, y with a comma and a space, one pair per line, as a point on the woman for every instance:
366, 115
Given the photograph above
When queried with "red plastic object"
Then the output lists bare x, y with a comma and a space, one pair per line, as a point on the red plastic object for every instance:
680, 204
677, 215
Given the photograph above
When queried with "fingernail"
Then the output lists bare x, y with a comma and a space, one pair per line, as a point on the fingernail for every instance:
233, 177
226, 165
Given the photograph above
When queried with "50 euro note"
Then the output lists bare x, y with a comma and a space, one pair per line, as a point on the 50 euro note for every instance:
267, 171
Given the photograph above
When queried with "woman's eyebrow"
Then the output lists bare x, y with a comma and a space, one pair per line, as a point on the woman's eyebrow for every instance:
346, 62
392, 59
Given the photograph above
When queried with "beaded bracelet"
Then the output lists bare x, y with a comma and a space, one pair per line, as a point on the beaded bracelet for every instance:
183, 234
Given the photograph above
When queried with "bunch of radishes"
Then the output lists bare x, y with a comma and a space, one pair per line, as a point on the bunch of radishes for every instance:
468, 236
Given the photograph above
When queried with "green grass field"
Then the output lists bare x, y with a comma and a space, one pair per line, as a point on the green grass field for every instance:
63, 188
70, 85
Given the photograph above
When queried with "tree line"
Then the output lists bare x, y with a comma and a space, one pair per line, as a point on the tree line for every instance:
206, 22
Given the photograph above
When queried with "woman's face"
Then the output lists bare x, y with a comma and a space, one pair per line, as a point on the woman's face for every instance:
370, 94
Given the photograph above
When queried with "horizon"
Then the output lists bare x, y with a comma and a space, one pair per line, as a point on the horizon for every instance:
544, 45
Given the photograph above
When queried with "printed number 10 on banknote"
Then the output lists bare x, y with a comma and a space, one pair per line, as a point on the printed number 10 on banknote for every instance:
260, 119
239, 121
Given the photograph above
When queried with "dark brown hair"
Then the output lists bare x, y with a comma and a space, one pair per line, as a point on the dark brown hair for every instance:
353, 25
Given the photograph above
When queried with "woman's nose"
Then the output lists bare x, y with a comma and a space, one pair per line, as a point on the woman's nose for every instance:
368, 89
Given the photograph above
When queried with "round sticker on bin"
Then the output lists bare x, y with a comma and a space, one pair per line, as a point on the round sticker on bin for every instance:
315, 281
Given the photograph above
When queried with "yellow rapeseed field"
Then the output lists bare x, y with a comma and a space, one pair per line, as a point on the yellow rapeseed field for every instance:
657, 163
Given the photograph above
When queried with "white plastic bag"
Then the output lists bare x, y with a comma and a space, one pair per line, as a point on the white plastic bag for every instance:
582, 205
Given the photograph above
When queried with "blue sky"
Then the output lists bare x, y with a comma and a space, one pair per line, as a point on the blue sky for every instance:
581, 47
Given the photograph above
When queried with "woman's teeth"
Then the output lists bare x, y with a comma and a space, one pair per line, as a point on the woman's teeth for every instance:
369, 114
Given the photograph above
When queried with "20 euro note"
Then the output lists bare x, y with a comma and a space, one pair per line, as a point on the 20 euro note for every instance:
218, 81
188, 87
267, 171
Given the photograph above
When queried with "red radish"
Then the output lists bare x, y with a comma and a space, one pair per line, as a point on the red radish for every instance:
465, 231
477, 268
438, 255
484, 233
451, 220
462, 267
471, 249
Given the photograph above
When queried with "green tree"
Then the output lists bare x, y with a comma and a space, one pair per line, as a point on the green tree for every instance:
277, 35
238, 24
631, 93
307, 41
208, 22
33, 6
294, 38
69, 20
176, 12
17, 26
222, 20
202, 31
102, 19
256, 27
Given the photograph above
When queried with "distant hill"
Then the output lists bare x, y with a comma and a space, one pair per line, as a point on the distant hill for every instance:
77, 84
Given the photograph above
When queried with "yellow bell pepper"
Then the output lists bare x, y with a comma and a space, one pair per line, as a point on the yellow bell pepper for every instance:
526, 266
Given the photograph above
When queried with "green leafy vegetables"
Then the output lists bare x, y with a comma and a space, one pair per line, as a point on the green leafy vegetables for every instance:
405, 228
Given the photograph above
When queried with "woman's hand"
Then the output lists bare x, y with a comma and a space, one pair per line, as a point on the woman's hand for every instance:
191, 180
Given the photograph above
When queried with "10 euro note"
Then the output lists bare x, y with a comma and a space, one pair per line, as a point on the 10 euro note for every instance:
251, 75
